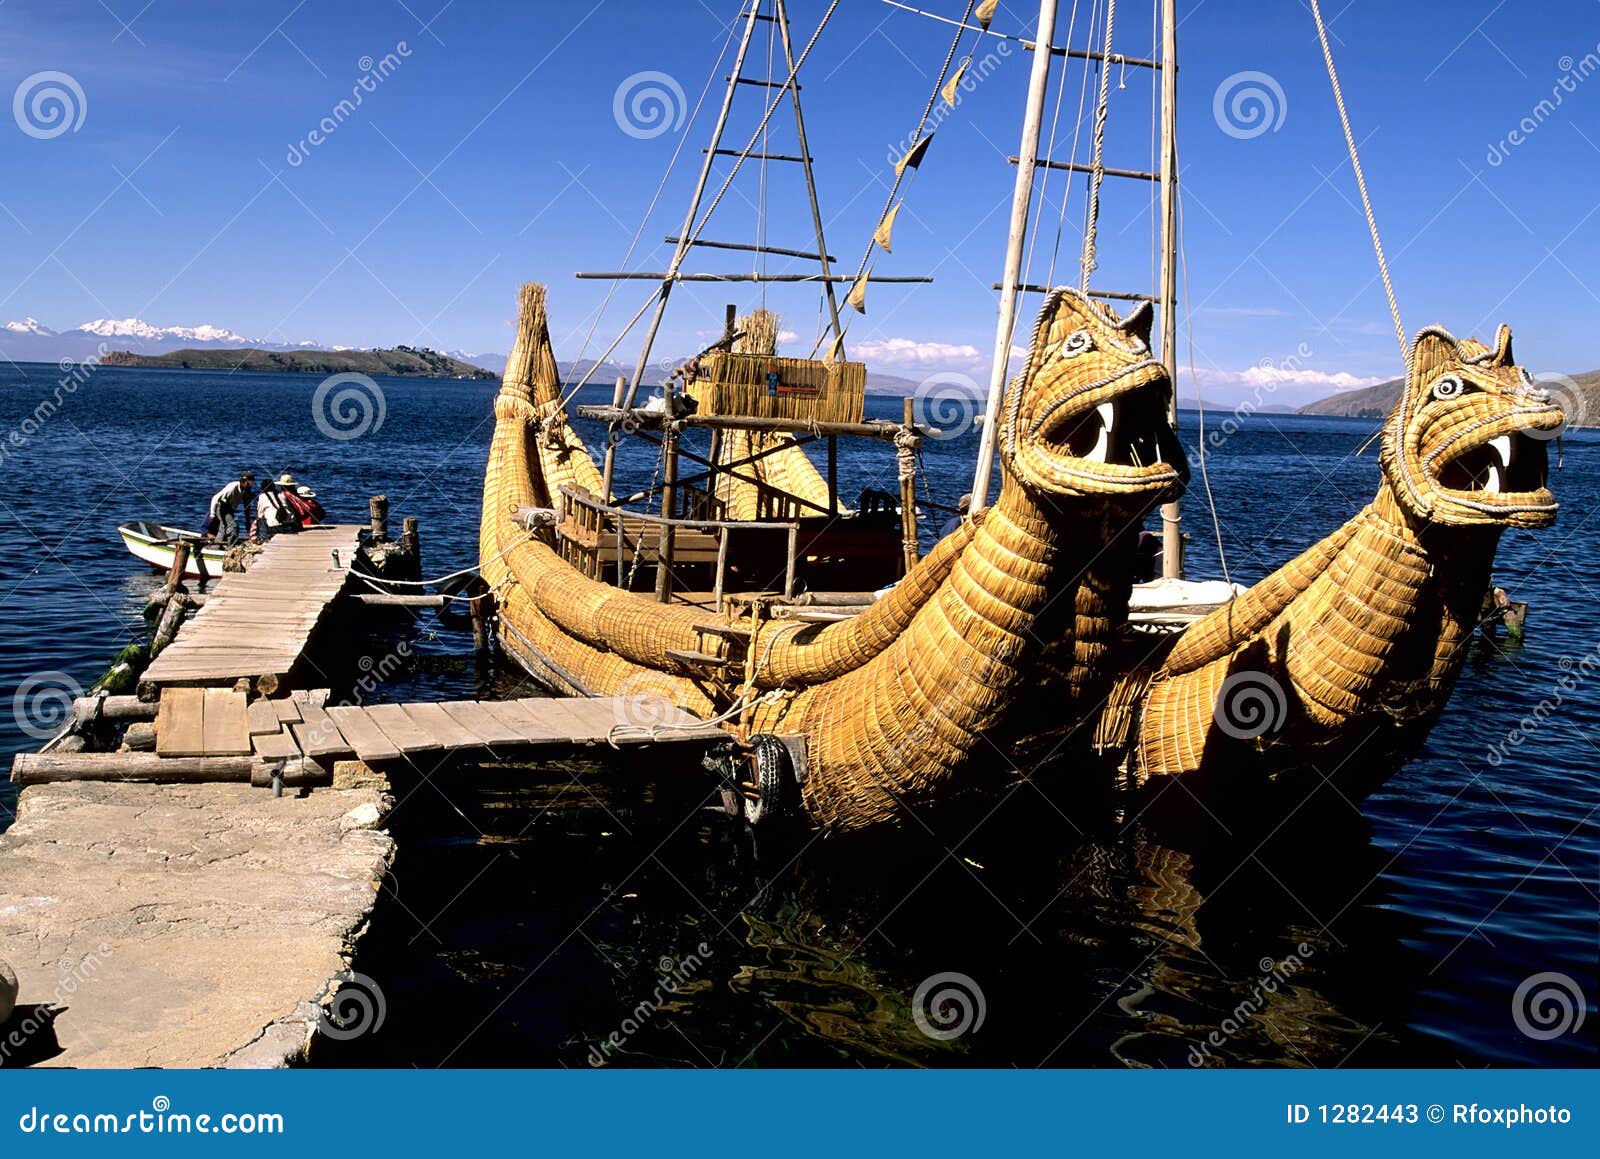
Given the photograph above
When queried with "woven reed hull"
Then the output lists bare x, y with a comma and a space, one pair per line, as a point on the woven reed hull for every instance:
912, 702
917, 700
1337, 664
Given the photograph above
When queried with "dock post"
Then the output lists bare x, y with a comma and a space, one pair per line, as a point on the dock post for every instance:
481, 607
378, 506
617, 395
908, 499
411, 545
666, 537
180, 562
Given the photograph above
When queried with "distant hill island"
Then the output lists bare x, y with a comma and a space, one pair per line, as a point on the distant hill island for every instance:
1375, 402
404, 361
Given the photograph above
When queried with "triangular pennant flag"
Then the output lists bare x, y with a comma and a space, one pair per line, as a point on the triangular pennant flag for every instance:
913, 156
858, 294
886, 227
985, 13
949, 90
836, 352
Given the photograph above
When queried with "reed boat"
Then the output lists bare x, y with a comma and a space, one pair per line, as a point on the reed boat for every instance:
1334, 667
864, 674
155, 544
915, 697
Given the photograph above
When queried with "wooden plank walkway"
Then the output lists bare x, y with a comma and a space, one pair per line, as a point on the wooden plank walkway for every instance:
256, 623
378, 733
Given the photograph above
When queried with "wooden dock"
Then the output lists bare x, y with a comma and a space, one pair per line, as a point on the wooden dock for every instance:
256, 624
381, 733
214, 735
225, 708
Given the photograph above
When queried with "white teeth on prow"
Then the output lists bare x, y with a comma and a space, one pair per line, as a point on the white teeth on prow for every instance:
1102, 447
1108, 415
1502, 447
1492, 487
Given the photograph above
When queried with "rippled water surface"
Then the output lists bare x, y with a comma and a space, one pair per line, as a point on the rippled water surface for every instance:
535, 913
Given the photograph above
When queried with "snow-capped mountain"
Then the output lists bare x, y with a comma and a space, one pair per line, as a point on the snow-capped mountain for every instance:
29, 340
138, 328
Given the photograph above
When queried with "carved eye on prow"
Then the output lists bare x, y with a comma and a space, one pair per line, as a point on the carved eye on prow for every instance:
1448, 387
1078, 342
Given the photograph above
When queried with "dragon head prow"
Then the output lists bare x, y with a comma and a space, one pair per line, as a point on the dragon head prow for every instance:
1466, 444
1088, 415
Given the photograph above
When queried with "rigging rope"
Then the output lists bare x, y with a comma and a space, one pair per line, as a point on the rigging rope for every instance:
916, 136
744, 153
1188, 325
644, 222
1361, 181
1091, 233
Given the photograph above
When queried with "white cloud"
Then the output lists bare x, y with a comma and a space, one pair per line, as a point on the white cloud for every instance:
1278, 376
1271, 377
906, 352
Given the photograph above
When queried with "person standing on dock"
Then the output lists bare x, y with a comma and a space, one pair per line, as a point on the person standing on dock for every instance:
222, 520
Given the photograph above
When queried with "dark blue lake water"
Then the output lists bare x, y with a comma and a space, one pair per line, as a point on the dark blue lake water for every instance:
530, 917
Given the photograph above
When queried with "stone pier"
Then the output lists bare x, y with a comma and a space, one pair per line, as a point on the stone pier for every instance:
182, 925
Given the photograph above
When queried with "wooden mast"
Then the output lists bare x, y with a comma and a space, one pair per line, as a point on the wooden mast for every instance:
1171, 513
782, 15
1021, 202
686, 234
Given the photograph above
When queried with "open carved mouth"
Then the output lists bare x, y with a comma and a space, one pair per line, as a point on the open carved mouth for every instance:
1511, 465
1118, 435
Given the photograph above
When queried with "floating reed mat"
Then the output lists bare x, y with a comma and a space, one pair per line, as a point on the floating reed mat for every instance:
808, 388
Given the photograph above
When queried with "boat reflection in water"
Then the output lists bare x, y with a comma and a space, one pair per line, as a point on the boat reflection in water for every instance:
1039, 935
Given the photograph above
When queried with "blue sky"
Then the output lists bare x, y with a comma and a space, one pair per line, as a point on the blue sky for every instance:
492, 155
